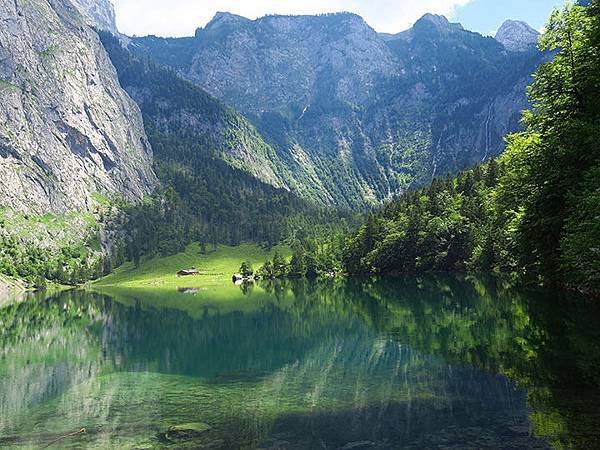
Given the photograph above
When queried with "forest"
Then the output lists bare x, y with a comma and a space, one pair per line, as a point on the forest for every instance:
535, 211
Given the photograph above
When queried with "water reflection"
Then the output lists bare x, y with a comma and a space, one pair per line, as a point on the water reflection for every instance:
406, 363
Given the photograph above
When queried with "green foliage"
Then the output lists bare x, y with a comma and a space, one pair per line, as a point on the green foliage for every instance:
534, 211
298, 265
266, 272
552, 168
314, 254
445, 227
580, 245
68, 257
279, 265
246, 269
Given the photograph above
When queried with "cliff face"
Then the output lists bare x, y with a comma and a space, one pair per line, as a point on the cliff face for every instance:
99, 14
362, 115
67, 129
174, 107
279, 62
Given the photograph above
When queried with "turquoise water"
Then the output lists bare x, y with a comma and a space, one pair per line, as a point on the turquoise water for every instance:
432, 362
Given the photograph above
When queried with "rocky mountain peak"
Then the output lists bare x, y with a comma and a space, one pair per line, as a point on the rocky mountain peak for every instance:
517, 36
438, 22
288, 60
222, 18
357, 114
99, 14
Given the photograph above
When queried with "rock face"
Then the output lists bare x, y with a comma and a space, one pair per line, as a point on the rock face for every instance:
67, 129
99, 14
517, 36
358, 116
278, 61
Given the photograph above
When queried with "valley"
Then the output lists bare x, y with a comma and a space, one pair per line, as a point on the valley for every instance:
297, 231
255, 130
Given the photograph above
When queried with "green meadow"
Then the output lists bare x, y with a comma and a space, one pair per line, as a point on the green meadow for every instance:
215, 267
156, 283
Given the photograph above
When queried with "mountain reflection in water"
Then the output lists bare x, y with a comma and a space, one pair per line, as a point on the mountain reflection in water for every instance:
430, 362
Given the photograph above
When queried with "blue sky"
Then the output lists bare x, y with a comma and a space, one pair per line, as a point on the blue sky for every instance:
486, 16
182, 17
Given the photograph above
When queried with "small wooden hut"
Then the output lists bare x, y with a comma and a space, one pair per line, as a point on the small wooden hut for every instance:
188, 272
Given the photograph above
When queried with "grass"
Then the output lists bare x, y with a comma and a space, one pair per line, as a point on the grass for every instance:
155, 283
49, 230
215, 267
101, 199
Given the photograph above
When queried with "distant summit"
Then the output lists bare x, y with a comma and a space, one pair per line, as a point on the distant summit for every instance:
517, 36
441, 23
222, 18
222, 22
435, 23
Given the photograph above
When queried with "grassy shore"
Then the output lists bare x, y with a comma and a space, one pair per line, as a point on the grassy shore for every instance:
215, 266
155, 284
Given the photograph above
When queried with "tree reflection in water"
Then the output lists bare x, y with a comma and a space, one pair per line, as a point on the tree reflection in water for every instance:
389, 363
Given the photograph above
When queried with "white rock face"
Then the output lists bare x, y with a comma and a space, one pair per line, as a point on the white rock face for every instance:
517, 36
98, 13
67, 128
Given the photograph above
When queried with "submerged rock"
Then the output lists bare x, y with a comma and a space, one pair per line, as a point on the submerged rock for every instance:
357, 445
186, 432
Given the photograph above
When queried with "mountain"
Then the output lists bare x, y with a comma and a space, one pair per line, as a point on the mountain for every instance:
354, 115
231, 185
517, 36
68, 131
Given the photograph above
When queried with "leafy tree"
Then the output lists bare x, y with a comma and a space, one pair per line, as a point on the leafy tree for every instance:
246, 269
550, 165
267, 271
535, 210
279, 265
297, 268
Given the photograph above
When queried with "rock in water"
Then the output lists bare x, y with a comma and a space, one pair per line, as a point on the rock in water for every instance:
186, 432
67, 128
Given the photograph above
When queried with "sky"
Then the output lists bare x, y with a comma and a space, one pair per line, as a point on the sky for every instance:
182, 17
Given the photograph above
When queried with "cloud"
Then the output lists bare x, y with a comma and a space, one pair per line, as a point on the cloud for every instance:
182, 17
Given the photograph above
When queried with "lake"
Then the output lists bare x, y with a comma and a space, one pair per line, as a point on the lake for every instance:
448, 362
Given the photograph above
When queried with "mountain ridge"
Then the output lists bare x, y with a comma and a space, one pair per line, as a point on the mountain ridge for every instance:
368, 114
